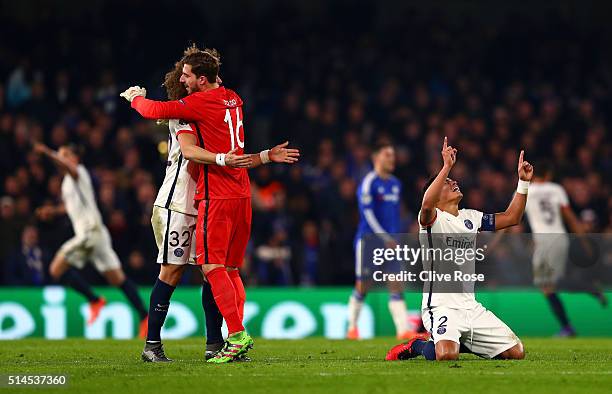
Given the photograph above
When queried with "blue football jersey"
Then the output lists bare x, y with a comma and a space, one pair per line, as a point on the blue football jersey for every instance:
379, 205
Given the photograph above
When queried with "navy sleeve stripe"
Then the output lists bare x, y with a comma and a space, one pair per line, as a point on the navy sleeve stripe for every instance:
488, 222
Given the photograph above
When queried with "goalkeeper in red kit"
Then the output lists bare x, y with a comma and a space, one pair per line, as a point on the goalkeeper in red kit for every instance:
224, 196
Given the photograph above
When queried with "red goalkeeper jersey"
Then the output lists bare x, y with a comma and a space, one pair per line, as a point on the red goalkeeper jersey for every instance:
217, 117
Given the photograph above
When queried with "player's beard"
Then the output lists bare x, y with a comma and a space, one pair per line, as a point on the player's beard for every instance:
191, 89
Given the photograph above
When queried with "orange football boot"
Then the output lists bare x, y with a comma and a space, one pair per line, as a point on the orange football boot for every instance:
352, 333
144, 328
95, 307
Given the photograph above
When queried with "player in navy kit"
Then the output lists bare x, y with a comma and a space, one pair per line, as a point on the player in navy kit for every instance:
379, 213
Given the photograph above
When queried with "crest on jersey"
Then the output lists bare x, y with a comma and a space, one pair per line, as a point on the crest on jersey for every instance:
468, 224
441, 330
178, 252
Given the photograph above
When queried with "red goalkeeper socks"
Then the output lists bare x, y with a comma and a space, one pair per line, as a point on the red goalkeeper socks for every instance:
225, 297
239, 289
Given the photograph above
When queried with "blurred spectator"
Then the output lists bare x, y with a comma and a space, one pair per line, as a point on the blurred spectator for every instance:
493, 85
27, 264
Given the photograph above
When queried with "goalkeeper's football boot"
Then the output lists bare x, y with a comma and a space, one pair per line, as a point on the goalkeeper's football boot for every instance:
212, 349
243, 358
236, 345
403, 351
95, 307
154, 353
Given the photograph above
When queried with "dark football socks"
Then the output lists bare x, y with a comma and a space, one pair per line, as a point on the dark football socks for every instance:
158, 309
73, 279
225, 297
131, 293
426, 348
557, 307
214, 319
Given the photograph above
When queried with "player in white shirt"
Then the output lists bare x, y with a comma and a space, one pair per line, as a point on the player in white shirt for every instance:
174, 220
91, 241
455, 320
547, 210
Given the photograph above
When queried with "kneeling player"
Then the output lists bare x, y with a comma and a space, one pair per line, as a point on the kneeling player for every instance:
456, 321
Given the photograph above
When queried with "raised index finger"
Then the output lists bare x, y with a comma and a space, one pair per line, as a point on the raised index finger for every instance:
445, 143
521, 157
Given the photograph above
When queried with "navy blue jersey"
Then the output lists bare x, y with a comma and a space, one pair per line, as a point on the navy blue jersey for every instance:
379, 205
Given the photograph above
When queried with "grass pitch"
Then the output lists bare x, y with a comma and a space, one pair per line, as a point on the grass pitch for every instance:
309, 366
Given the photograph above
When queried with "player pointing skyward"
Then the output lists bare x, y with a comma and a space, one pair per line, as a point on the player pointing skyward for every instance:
456, 320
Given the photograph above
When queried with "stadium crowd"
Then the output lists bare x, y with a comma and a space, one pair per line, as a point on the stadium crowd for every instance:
411, 78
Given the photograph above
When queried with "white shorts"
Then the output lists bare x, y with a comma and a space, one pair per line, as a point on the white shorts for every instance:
93, 245
478, 329
174, 236
550, 259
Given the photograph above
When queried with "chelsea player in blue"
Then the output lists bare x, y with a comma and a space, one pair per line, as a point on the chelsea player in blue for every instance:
379, 213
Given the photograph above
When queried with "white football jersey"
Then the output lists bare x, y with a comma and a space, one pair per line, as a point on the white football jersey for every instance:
80, 202
544, 202
178, 189
450, 232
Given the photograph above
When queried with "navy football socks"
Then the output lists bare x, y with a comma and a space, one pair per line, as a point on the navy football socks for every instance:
426, 348
131, 293
214, 319
158, 309
73, 279
557, 307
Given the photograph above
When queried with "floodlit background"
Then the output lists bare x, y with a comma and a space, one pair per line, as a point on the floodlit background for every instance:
332, 78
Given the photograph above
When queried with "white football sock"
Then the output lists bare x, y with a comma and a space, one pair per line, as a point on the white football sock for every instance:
354, 308
399, 315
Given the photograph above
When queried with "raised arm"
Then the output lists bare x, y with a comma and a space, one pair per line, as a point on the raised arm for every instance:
513, 214
432, 194
61, 162
151, 109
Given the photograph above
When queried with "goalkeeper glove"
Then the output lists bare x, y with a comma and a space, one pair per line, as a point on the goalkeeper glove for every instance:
132, 92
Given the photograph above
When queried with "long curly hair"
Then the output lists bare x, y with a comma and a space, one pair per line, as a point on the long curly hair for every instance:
175, 88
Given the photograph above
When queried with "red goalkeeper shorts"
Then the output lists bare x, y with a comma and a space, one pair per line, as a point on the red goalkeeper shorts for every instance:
223, 231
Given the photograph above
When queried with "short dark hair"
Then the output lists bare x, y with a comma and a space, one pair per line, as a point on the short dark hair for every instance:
380, 145
544, 167
204, 62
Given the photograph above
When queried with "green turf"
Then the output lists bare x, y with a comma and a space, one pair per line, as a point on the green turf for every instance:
310, 366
